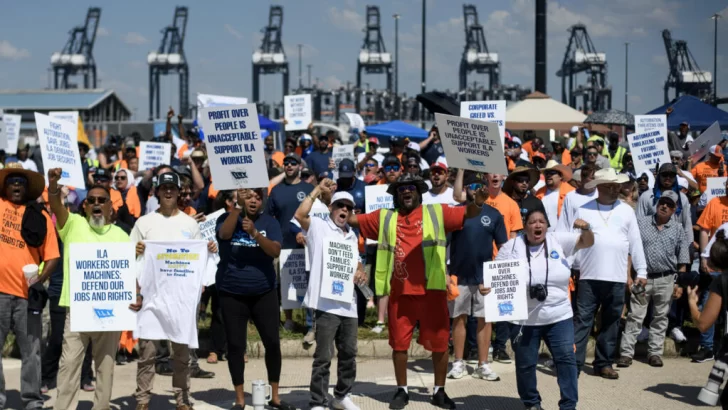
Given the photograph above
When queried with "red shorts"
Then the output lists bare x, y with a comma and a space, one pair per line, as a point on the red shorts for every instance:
432, 313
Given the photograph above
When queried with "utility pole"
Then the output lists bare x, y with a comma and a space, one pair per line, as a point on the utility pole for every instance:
309, 75
424, 28
300, 79
396, 53
715, 17
626, 74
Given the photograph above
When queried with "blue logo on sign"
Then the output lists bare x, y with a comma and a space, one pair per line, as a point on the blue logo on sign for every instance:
554, 255
337, 287
476, 163
65, 174
505, 308
239, 175
104, 313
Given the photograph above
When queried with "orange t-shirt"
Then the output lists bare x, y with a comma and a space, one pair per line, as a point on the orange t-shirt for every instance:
132, 201
528, 147
16, 253
190, 211
714, 215
510, 211
277, 157
408, 277
703, 171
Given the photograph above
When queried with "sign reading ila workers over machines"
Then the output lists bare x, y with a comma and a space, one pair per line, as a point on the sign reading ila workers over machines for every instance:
471, 144
340, 261
103, 284
234, 146
507, 300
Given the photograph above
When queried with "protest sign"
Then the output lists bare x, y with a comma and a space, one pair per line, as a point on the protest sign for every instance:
715, 188
153, 154
234, 147
59, 149
297, 109
294, 281
489, 111
70, 116
208, 229
340, 262
376, 197
3, 133
356, 121
12, 132
644, 123
339, 153
648, 149
210, 100
700, 147
507, 300
471, 144
103, 284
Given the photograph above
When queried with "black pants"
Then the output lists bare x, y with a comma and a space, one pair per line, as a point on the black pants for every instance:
52, 352
237, 310
217, 328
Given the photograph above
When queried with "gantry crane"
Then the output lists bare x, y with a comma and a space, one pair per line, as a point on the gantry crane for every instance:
77, 57
685, 76
476, 56
373, 56
170, 59
582, 57
270, 58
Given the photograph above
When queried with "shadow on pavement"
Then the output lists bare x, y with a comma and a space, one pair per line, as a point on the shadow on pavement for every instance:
684, 394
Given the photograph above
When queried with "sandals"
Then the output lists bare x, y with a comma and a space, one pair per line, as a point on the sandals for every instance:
212, 358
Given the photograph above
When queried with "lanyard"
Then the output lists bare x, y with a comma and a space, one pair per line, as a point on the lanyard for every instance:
528, 259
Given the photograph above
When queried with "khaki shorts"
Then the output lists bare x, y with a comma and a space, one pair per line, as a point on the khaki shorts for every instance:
470, 302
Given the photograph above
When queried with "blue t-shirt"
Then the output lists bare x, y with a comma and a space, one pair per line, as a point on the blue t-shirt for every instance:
357, 191
244, 268
432, 152
55, 284
283, 201
318, 162
473, 245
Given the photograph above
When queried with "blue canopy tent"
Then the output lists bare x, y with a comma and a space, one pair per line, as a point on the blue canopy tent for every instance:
268, 124
396, 129
693, 111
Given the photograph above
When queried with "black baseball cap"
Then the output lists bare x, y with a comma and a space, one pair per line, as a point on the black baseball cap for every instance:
102, 173
391, 160
168, 178
346, 168
667, 168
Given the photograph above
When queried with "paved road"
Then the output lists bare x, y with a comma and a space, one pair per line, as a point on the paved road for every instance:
674, 386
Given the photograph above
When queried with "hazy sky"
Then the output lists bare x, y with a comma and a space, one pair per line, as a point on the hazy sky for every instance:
221, 36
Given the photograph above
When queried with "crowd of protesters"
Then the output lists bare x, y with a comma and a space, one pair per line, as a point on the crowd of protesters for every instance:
634, 253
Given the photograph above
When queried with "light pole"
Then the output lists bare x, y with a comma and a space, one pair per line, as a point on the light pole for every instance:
309, 75
715, 17
300, 78
424, 21
396, 53
626, 74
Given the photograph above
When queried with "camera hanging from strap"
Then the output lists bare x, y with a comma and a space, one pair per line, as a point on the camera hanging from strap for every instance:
528, 259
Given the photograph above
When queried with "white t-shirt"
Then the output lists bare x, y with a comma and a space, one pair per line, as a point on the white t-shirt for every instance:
29, 165
616, 236
561, 245
444, 198
706, 251
551, 204
319, 230
572, 202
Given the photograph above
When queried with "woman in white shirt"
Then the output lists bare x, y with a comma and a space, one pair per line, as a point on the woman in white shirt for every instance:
549, 308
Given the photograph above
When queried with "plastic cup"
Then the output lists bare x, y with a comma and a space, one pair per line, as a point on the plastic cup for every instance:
30, 271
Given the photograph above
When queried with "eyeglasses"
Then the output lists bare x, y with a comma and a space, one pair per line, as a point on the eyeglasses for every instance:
341, 205
370, 165
120, 178
16, 180
288, 162
522, 180
93, 200
592, 154
406, 188
391, 168
551, 173
475, 186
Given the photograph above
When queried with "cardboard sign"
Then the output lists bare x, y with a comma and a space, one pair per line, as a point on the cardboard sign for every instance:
339, 264
700, 147
294, 281
376, 197
297, 109
715, 188
103, 284
648, 149
12, 132
234, 147
644, 123
59, 149
508, 299
471, 144
153, 154
489, 111
356, 121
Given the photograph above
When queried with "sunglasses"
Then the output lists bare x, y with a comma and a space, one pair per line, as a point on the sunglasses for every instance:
391, 168
668, 175
16, 180
522, 180
340, 205
475, 186
592, 154
413, 165
370, 165
93, 200
642, 179
120, 178
668, 204
101, 180
290, 162
406, 188
306, 175
437, 171
675, 159
551, 173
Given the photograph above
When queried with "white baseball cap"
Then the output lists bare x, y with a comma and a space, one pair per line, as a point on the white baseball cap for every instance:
574, 129
343, 196
414, 146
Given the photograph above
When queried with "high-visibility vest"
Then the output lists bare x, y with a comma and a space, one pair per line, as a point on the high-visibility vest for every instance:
365, 144
616, 160
92, 163
434, 245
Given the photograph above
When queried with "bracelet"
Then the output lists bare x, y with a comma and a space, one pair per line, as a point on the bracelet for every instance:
139, 295
311, 198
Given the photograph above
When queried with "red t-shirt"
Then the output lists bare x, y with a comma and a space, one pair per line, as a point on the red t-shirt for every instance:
408, 277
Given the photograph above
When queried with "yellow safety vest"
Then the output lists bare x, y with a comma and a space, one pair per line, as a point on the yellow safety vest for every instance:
92, 163
359, 143
616, 161
434, 247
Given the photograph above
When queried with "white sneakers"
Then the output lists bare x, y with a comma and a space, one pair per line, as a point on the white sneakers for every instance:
486, 373
344, 404
677, 335
458, 370
378, 328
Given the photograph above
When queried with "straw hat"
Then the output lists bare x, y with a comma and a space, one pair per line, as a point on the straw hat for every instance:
36, 182
607, 176
565, 171
532, 173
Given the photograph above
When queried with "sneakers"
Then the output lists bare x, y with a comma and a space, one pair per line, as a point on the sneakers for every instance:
458, 370
536, 407
400, 400
472, 357
309, 338
644, 335
378, 328
289, 325
703, 355
344, 404
441, 400
484, 372
501, 356
198, 373
550, 363
677, 335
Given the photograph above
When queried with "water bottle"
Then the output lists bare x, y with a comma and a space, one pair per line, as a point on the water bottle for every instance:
366, 291
261, 394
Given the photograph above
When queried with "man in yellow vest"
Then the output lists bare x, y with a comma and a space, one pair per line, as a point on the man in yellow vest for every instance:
615, 151
410, 268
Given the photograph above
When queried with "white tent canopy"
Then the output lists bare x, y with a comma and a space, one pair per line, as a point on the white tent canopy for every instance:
540, 112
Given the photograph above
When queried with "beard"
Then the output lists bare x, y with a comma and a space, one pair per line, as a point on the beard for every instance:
97, 221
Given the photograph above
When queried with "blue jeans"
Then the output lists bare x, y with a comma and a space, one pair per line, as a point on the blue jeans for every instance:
559, 338
502, 333
706, 338
591, 295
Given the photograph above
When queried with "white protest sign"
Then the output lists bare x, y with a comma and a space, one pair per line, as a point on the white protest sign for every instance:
356, 121
339, 264
376, 197
70, 116
294, 281
471, 144
489, 111
715, 188
59, 149
211, 100
12, 132
208, 228
234, 147
341, 152
700, 147
297, 109
507, 300
644, 123
153, 154
3, 132
648, 150
102, 285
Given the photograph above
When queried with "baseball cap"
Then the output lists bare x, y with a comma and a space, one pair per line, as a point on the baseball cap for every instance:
391, 160
538, 155
574, 129
306, 172
129, 144
667, 168
305, 137
440, 165
168, 178
676, 154
102, 173
516, 142
685, 123
198, 153
716, 151
413, 146
396, 141
294, 156
373, 140
671, 195
343, 196
346, 168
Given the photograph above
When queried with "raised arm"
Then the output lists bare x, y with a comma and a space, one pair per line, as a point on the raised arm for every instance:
586, 239
474, 208
458, 193
302, 213
54, 197
228, 226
